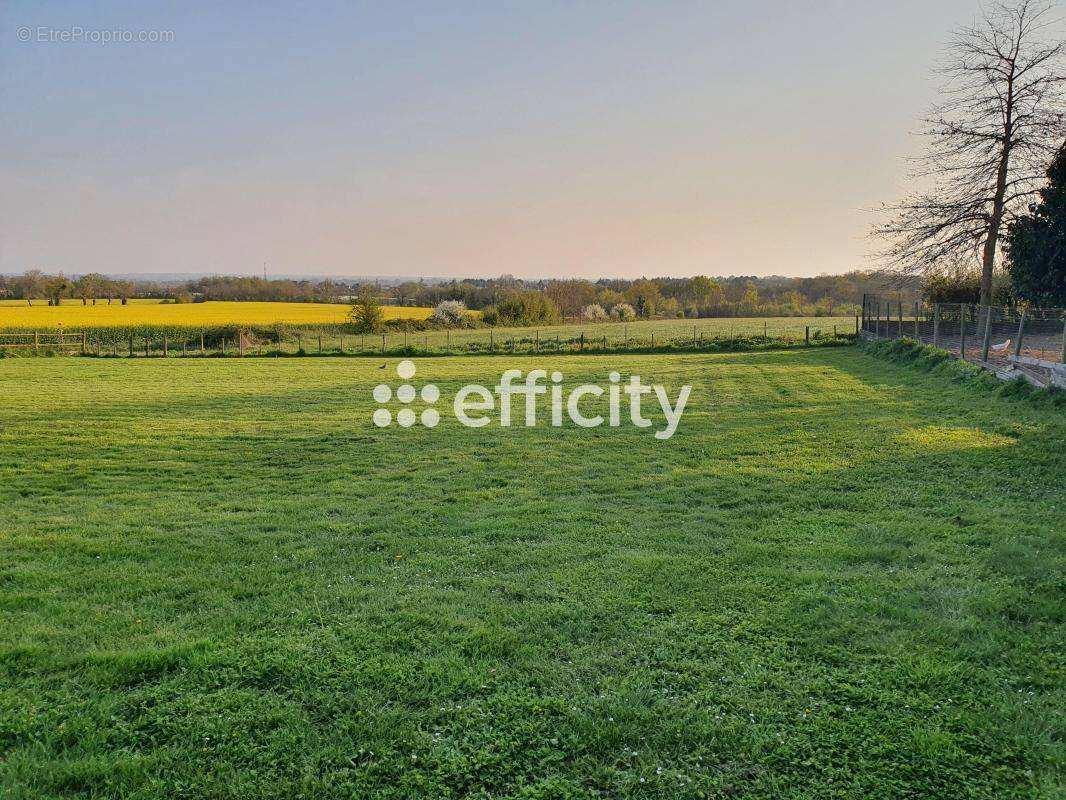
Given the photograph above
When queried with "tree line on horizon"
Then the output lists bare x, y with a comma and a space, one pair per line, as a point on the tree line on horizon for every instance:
506, 296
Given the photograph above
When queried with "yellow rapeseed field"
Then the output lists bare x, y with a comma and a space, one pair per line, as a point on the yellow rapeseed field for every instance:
19, 315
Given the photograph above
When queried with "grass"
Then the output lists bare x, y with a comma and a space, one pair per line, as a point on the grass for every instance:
75, 316
651, 333
842, 577
644, 335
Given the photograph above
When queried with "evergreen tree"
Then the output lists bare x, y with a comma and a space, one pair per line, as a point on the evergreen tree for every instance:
1036, 243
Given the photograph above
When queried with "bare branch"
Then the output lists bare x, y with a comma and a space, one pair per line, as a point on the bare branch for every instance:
989, 141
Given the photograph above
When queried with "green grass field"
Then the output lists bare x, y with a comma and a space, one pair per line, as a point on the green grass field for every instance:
840, 578
645, 334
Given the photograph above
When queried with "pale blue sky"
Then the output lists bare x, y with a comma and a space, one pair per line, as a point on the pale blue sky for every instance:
461, 138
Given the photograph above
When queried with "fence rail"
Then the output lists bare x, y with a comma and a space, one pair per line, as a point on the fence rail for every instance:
1011, 341
44, 340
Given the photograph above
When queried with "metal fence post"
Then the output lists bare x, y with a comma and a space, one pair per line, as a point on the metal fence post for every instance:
1021, 333
986, 342
917, 332
863, 315
936, 325
899, 308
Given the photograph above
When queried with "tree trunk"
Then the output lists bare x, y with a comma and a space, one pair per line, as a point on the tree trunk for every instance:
995, 217
995, 220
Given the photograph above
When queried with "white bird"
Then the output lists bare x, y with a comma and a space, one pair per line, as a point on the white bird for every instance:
1000, 348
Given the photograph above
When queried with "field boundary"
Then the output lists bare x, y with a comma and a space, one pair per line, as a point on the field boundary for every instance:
910, 353
1010, 342
245, 344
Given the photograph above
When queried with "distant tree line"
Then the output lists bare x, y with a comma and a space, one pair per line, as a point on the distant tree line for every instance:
504, 300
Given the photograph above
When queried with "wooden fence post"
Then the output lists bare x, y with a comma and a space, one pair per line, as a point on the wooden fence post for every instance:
863, 314
320, 341
83, 342
917, 332
538, 340
1064, 337
240, 343
986, 342
856, 325
807, 336
165, 347
184, 347
131, 346
1021, 333
582, 341
147, 347
962, 331
223, 345
899, 308
202, 348
936, 325
36, 342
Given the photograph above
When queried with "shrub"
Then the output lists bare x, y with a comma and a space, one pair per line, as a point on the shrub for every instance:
523, 308
962, 284
593, 313
450, 312
366, 315
623, 312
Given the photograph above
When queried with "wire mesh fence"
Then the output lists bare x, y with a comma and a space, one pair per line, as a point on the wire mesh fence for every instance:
645, 336
992, 335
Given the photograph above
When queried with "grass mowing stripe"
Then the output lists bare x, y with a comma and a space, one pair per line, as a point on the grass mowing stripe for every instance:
840, 578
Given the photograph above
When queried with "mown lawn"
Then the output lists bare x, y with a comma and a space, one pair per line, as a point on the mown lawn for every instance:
840, 578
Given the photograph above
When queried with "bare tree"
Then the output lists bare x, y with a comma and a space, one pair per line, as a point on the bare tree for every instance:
989, 143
